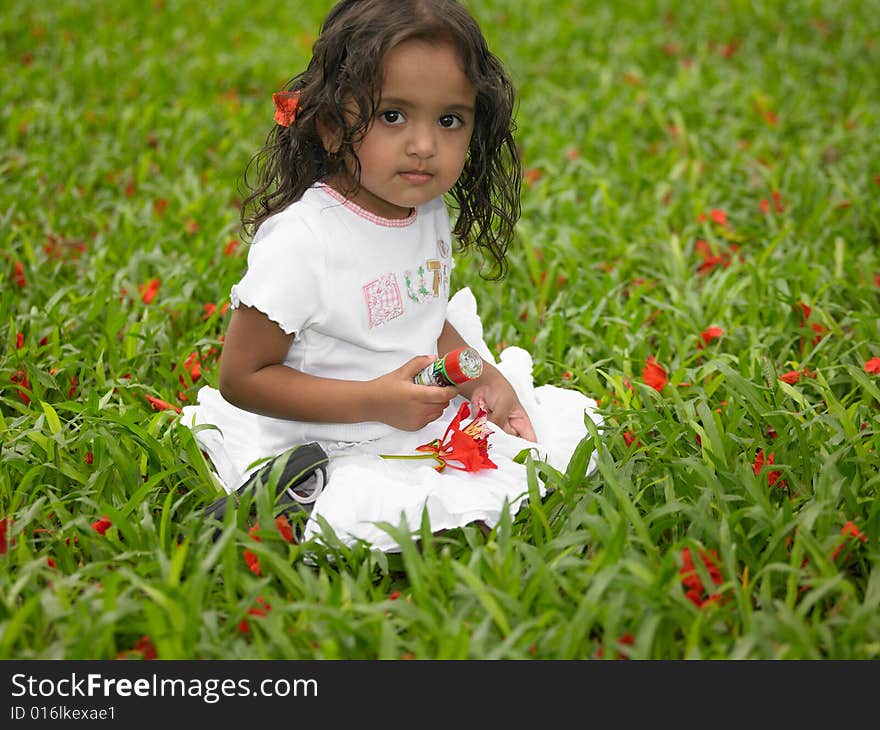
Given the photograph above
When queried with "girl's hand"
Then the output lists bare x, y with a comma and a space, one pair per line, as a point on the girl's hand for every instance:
401, 403
497, 397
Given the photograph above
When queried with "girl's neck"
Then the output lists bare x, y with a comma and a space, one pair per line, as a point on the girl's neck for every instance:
346, 187
353, 202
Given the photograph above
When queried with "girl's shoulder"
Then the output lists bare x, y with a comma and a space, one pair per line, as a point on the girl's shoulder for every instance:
299, 219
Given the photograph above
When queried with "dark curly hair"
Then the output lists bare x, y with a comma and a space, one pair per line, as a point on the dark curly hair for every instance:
346, 69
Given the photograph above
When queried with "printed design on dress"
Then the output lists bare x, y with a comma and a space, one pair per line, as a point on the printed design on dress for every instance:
429, 278
383, 300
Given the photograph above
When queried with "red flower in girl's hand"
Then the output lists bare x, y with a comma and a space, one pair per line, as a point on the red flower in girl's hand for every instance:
468, 445
286, 104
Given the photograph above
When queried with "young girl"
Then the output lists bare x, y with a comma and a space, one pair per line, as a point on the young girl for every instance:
346, 294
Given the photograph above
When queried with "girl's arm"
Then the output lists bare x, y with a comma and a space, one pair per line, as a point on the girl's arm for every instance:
491, 390
254, 378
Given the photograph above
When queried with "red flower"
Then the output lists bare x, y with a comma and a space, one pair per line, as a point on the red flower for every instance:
149, 290
654, 374
873, 365
159, 206
791, 377
101, 526
696, 592
160, 405
51, 562
626, 640
18, 274
19, 340
719, 216
532, 175
394, 595
193, 366
144, 645
773, 476
820, 330
806, 309
230, 247
262, 610
20, 378
286, 104
849, 530
710, 259
4, 546
469, 445
629, 438
711, 333
253, 562
284, 528
777, 203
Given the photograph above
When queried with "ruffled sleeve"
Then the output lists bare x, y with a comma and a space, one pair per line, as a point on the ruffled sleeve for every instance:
285, 267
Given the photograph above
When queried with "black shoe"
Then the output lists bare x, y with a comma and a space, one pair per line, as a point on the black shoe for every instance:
302, 474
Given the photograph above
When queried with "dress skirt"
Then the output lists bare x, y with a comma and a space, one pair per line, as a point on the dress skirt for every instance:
365, 490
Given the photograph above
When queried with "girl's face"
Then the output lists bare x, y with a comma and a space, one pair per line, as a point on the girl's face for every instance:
415, 149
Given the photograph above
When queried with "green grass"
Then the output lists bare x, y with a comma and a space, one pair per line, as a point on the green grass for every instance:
125, 127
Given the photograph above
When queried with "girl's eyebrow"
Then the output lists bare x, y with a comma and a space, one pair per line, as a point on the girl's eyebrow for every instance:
396, 101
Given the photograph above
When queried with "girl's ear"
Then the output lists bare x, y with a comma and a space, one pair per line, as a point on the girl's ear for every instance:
331, 136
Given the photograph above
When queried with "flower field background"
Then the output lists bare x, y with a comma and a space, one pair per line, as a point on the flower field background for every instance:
698, 251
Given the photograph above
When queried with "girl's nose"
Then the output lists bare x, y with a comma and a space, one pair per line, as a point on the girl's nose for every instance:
421, 142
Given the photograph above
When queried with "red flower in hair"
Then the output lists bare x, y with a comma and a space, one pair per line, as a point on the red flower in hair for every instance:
286, 105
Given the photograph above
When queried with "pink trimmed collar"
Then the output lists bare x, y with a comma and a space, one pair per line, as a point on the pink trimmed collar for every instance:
363, 213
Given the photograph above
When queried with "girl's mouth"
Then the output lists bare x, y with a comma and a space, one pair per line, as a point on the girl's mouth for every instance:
416, 178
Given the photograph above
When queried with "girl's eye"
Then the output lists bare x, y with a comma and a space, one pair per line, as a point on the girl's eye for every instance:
450, 121
392, 117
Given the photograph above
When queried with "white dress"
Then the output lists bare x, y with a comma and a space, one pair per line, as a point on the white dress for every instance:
340, 317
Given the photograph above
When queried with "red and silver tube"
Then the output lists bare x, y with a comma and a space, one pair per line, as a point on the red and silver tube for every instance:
453, 368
